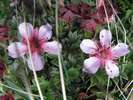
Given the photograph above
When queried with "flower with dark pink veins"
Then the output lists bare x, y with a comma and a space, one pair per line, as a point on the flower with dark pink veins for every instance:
38, 43
102, 55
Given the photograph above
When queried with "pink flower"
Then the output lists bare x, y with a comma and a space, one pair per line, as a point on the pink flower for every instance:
38, 41
102, 55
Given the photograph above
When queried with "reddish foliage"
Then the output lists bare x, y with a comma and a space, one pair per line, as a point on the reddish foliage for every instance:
82, 95
7, 96
3, 29
68, 15
99, 3
87, 18
3, 32
2, 69
69, 12
100, 15
88, 25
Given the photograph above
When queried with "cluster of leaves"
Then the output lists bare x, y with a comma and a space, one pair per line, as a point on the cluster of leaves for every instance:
123, 5
85, 15
78, 84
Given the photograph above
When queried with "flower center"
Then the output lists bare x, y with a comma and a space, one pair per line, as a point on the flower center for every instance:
34, 42
104, 54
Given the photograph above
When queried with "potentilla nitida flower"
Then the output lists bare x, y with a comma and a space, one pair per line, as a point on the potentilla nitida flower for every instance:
38, 43
102, 55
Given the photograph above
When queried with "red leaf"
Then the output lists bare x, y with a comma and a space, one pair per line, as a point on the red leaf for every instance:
2, 69
3, 32
88, 25
3, 29
72, 11
100, 3
66, 15
7, 96
100, 15
86, 16
85, 10
82, 95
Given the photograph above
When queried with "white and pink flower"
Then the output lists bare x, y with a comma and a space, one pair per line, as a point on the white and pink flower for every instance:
38, 43
102, 55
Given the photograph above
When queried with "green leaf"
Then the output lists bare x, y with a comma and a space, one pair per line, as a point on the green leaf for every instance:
73, 73
129, 70
14, 86
128, 13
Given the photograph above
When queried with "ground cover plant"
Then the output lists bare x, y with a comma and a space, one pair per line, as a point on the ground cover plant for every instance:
66, 50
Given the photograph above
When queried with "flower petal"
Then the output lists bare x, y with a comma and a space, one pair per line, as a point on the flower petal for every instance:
105, 38
25, 29
45, 32
53, 47
17, 49
37, 62
91, 65
88, 46
119, 50
111, 69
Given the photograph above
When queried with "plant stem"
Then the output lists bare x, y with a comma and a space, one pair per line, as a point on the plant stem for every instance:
21, 91
25, 81
59, 56
107, 89
120, 90
32, 65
